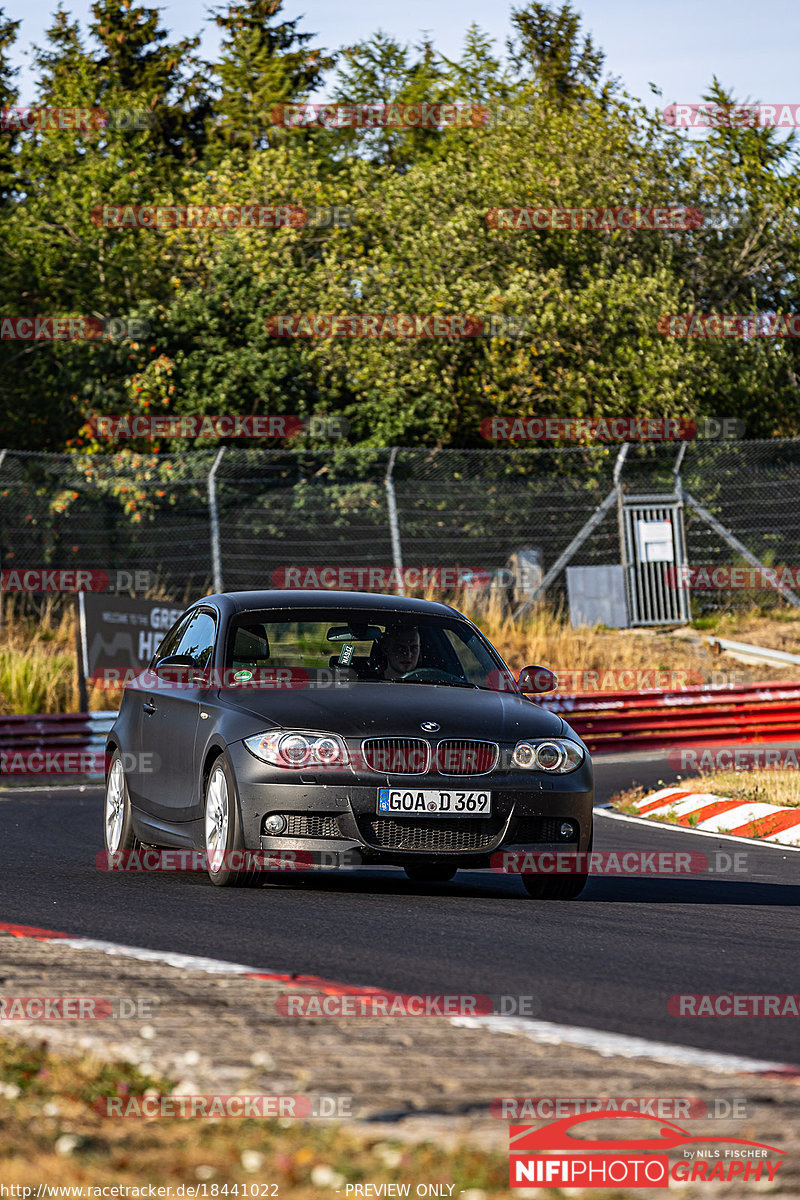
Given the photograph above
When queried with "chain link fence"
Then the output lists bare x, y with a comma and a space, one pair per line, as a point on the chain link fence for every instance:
242, 517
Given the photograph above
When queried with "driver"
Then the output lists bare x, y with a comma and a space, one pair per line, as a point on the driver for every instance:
401, 648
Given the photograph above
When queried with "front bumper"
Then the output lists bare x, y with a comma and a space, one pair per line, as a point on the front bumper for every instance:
336, 815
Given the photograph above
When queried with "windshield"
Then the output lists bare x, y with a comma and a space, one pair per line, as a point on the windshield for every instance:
380, 646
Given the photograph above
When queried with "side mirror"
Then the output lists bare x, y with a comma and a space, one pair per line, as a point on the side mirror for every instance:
176, 660
534, 680
179, 669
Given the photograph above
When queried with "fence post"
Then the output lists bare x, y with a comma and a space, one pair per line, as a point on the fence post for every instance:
394, 524
580, 537
81, 651
216, 561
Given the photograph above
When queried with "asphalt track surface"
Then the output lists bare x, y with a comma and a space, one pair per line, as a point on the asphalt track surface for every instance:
608, 961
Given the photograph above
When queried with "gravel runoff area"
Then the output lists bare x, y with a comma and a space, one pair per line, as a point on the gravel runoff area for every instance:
421, 1079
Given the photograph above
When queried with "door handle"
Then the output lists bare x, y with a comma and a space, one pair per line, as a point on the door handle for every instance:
149, 707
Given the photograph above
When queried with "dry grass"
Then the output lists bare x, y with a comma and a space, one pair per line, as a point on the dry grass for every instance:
588, 659
751, 786
38, 659
37, 662
51, 1134
781, 787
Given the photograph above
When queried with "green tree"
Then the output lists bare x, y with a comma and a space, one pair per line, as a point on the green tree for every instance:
8, 97
138, 64
383, 71
547, 47
63, 263
743, 259
264, 62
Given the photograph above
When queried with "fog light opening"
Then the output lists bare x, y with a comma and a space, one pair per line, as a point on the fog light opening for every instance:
568, 831
275, 824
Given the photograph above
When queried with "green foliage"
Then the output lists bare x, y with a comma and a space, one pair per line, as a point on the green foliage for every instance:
8, 96
264, 63
588, 302
547, 46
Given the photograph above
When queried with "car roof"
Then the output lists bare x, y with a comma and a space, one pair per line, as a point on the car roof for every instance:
230, 603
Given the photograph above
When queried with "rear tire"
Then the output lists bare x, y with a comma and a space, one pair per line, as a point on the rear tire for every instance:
117, 816
223, 830
430, 872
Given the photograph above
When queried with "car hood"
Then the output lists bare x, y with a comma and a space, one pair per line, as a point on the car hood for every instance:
380, 709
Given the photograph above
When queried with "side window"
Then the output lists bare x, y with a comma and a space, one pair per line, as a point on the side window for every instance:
198, 639
170, 641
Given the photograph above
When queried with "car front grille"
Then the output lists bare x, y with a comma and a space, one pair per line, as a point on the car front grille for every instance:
397, 755
413, 756
436, 834
311, 825
460, 757
534, 829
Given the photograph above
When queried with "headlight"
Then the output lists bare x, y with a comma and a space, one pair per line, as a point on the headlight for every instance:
557, 756
291, 748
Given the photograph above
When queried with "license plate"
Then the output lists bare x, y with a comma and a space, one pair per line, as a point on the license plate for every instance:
413, 802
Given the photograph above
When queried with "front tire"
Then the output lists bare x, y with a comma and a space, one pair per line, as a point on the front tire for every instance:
560, 887
222, 826
117, 816
554, 889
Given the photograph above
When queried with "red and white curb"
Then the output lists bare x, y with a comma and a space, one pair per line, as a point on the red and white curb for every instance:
714, 814
598, 1041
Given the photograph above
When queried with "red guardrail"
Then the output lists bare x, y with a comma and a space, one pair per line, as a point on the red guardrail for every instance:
752, 712
54, 744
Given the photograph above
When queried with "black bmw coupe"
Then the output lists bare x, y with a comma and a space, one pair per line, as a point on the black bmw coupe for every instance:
355, 727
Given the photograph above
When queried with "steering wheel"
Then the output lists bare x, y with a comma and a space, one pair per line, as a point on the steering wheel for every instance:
429, 675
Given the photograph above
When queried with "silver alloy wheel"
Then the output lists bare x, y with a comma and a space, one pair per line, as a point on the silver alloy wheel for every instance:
217, 816
115, 805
